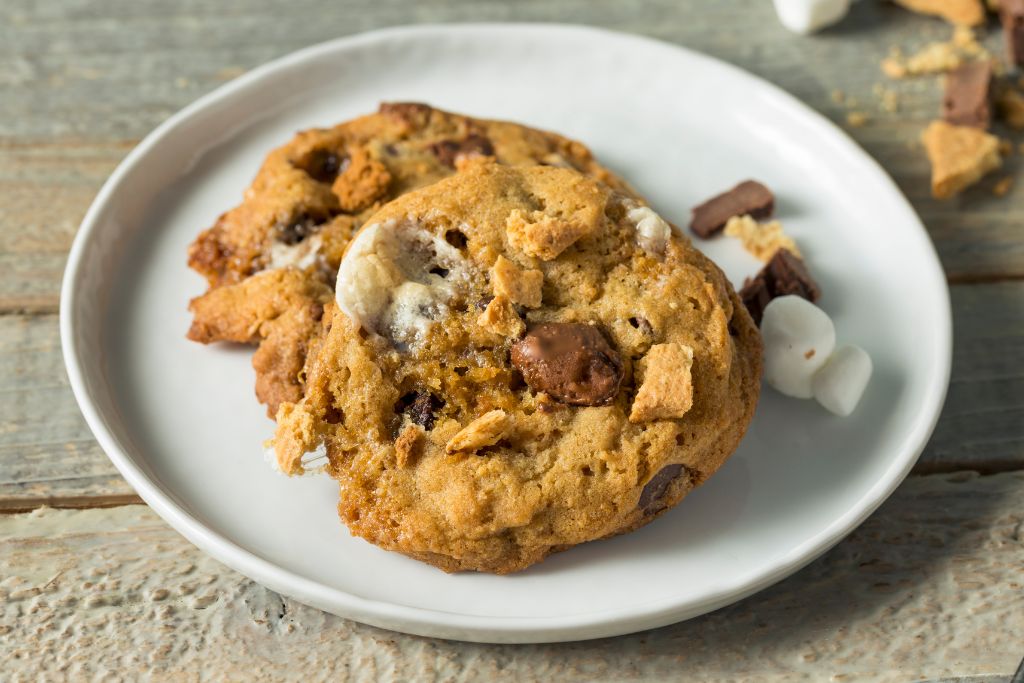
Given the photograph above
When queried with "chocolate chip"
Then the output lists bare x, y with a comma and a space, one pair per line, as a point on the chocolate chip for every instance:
473, 145
748, 198
297, 229
657, 487
966, 102
323, 165
420, 406
456, 238
1011, 13
784, 274
572, 362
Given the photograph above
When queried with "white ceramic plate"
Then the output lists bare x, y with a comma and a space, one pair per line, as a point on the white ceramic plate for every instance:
181, 424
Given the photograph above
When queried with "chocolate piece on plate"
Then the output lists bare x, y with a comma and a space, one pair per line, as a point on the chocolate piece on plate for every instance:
748, 198
1011, 13
783, 274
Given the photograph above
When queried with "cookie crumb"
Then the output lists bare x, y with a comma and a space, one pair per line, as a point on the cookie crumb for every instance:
486, 430
667, 388
1002, 187
761, 239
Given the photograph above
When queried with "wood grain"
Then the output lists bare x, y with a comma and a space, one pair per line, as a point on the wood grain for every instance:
81, 82
928, 587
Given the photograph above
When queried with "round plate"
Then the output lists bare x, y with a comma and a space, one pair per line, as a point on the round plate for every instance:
180, 421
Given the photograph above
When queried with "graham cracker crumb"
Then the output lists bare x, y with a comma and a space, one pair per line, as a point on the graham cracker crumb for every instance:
407, 445
761, 239
486, 430
857, 119
541, 235
935, 57
362, 183
1002, 187
1010, 104
667, 388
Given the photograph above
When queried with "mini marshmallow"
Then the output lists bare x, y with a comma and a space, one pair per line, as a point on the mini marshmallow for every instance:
840, 383
808, 16
798, 339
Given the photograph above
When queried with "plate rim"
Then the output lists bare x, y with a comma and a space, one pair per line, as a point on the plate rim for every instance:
437, 623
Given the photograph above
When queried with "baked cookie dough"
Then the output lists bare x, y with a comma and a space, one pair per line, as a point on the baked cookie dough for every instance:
520, 360
313, 193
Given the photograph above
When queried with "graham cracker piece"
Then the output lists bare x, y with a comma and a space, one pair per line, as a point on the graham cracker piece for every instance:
501, 317
543, 236
961, 12
522, 287
486, 430
667, 388
960, 156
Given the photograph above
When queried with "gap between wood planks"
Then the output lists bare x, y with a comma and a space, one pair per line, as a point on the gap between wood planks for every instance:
21, 505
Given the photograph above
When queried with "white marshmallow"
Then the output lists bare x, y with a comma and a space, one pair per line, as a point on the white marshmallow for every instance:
798, 339
841, 382
652, 232
396, 279
808, 16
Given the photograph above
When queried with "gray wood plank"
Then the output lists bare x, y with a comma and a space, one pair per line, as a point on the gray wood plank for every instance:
927, 588
48, 454
80, 81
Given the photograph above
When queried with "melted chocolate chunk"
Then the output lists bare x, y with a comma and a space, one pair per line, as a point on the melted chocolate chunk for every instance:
323, 165
413, 113
784, 274
449, 152
657, 487
968, 95
420, 406
748, 198
572, 362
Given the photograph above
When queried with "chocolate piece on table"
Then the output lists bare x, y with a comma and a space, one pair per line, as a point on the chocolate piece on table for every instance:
968, 95
748, 198
1011, 13
784, 274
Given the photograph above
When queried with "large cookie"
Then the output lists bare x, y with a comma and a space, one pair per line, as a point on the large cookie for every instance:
311, 195
520, 360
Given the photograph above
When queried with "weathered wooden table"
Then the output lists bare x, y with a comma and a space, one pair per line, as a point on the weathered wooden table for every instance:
94, 584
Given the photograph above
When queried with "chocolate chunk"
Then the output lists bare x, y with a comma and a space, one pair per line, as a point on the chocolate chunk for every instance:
413, 113
420, 406
572, 362
1011, 13
657, 487
967, 98
473, 145
297, 229
784, 274
323, 165
748, 198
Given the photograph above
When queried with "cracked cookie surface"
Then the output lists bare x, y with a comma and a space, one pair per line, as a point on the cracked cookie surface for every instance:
610, 379
312, 194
